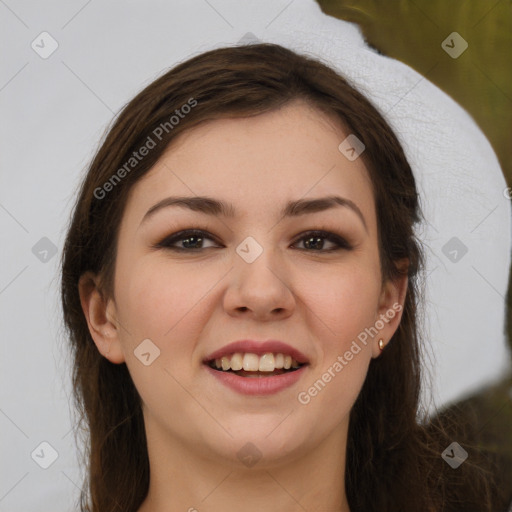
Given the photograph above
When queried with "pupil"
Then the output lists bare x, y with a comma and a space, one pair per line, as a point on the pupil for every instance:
311, 243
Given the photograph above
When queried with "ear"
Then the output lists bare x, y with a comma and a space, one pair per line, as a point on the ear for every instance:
101, 318
391, 307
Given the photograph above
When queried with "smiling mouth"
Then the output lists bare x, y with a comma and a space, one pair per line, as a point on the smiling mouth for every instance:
255, 366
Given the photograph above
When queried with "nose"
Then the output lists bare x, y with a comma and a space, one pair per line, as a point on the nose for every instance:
260, 290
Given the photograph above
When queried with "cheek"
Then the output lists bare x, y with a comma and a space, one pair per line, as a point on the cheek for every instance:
160, 302
346, 302
344, 299
343, 309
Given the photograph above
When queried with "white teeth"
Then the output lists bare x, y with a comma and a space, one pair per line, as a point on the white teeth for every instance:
267, 363
237, 362
252, 362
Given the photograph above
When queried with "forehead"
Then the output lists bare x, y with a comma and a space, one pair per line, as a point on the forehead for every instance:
258, 163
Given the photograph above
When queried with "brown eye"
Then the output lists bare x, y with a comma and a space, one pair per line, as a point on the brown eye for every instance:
314, 241
190, 240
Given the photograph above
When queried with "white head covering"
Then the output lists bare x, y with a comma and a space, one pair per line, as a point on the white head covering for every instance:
85, 66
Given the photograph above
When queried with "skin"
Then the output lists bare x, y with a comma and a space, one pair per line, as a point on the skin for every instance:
192, 303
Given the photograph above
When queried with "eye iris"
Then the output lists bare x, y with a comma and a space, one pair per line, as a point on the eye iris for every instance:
187, 241
313, 242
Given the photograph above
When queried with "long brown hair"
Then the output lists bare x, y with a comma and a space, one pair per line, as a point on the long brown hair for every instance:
393, 459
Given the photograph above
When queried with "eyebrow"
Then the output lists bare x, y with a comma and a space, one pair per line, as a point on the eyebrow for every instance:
211, 206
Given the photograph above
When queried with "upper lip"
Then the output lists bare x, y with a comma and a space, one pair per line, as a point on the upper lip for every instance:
259, 348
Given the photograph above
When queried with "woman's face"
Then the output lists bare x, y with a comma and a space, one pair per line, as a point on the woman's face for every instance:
253, 274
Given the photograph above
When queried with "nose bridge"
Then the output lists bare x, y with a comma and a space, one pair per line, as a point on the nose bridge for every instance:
258, 260
259, 280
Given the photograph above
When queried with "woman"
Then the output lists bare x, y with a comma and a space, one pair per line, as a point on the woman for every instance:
240, 283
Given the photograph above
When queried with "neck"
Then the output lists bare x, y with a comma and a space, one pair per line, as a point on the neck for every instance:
181, 478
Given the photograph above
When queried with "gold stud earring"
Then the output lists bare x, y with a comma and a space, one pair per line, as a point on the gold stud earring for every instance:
381, 344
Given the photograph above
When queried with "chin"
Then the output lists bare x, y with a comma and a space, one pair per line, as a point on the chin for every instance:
261, 443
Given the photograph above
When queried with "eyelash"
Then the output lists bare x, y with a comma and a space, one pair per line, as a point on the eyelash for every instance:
167, 242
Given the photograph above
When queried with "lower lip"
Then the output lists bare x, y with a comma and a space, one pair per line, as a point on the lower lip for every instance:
258, 386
